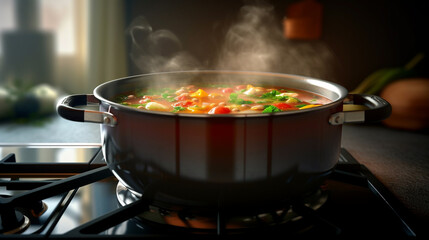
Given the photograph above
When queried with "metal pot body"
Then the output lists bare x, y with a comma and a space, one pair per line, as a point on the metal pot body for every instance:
200, 159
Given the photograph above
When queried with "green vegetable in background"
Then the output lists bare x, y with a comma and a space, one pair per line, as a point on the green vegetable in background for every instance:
25, 101
375, 82
6, 103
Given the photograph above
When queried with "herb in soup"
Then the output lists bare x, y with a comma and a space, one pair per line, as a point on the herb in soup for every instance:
221, 99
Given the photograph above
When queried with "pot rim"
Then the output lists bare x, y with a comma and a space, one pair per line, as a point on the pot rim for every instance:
340, 90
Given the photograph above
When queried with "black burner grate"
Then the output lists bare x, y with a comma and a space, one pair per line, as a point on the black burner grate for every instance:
313, 222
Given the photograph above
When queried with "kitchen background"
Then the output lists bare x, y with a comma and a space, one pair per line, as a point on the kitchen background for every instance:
74, 45
54, 48
51, 48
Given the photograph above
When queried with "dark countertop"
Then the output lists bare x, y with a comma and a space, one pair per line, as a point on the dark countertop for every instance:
399, 159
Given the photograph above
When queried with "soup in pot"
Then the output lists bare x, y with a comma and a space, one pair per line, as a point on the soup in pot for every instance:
221, 99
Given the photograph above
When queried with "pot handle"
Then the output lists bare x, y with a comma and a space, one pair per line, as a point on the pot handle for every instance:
370, 108
66, 108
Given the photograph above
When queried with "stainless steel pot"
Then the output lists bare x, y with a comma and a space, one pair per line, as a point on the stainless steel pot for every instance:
198, 159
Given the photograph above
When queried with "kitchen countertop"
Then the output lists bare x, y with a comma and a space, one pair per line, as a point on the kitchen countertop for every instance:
53, 129
399, 159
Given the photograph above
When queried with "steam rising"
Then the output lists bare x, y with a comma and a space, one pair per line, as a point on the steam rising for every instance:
255, 42
158, 51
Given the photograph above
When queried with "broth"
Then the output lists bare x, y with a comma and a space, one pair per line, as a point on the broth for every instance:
221, 99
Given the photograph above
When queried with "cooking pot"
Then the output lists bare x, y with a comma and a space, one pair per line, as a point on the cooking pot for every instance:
205, 160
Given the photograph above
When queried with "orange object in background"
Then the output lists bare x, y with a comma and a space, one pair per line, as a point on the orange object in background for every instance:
409, 99
303, 20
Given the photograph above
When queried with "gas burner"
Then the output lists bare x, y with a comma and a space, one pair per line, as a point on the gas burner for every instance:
35, 209
13, 221
339, 208
233, 220
16, 223
17, 220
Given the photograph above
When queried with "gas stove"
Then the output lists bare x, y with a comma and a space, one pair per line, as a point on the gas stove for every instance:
67, 191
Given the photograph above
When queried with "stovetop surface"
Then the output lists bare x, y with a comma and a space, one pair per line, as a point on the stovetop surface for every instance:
357, 204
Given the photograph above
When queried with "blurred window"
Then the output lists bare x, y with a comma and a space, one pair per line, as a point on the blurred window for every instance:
7, 15
86, 36
56, 16
59, 18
